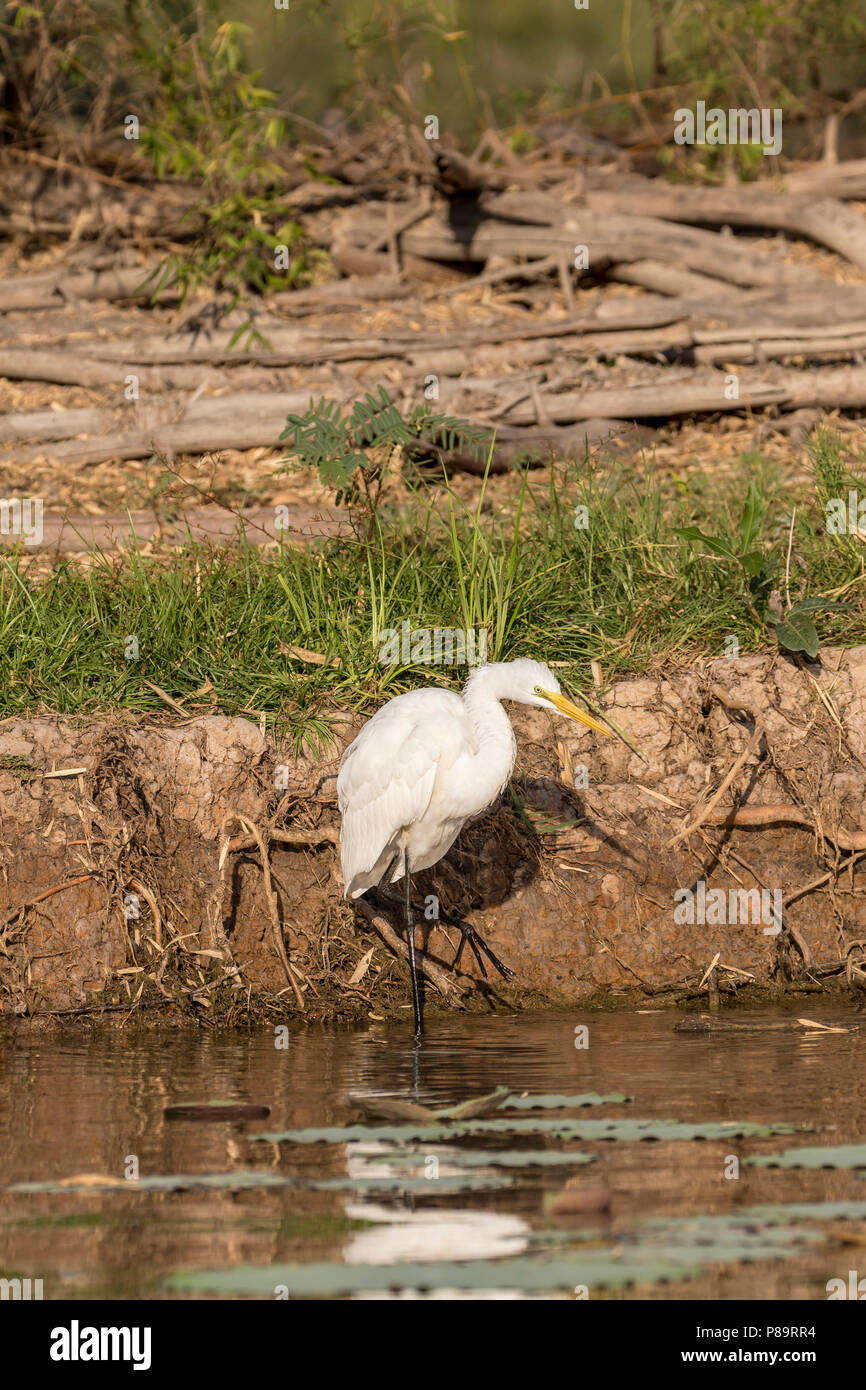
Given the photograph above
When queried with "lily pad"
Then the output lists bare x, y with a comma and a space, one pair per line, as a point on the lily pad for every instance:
657, 1252
827, 1156
843, 1210
439, 1187
556, 1128
490, 1158
596, 1269
393, 1108
563, 1102
236, 1182
98, 1182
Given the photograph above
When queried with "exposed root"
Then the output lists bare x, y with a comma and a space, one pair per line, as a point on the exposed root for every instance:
260, 838
295, 839
438, 977
705, 816
145, 892
819, 882
40, 897
847, 840
855, 970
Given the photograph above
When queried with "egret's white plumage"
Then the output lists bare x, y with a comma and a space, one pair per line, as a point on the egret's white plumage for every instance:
429, 760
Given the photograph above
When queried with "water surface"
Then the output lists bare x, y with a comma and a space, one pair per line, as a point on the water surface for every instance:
72, 1104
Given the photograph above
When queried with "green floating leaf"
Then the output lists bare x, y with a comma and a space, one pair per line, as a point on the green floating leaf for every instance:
563, 1102
436, 1187
174, 1183
236, 1182
596, 1269
840, 1156
723, 1239
658, 1251
806, 1211
506, 1158
561, 1129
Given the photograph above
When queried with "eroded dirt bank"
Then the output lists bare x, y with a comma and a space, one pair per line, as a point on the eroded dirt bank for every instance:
135, 875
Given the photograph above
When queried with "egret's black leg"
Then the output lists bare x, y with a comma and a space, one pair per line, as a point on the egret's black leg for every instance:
410, 942
468, 933
478, 944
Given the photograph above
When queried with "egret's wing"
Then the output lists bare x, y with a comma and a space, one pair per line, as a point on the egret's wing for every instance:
387, 777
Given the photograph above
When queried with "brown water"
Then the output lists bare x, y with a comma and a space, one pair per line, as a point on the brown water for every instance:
74, 1104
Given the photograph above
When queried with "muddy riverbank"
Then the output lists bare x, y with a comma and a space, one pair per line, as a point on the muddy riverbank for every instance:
190, 868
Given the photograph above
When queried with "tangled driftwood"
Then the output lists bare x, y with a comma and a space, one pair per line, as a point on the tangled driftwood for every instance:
412, 224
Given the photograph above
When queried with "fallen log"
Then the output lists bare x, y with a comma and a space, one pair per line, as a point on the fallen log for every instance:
763, 341
60, 286
67, 368
50, 424
300, 349
826, 221
664, 279
70, 535
532, 446
247, 420
516, 226
211, 424
363, 288
844, 180
658, 400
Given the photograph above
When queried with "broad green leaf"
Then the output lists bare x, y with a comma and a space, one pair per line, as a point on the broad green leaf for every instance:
713, 543
752, 562
813, 605
797, 633
753, 516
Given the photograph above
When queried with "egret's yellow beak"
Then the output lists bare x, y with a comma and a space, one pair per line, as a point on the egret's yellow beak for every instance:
566, 707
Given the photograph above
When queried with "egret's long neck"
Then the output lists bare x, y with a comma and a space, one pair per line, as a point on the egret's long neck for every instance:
490, 724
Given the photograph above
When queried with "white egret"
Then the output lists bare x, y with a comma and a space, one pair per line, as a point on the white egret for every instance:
423, 765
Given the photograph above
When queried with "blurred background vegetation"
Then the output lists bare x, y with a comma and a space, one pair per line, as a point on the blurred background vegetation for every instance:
617, 69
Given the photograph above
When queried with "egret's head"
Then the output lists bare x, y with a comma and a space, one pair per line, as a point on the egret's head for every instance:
535, 684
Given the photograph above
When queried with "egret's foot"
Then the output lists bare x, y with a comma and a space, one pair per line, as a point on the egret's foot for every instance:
477, 945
